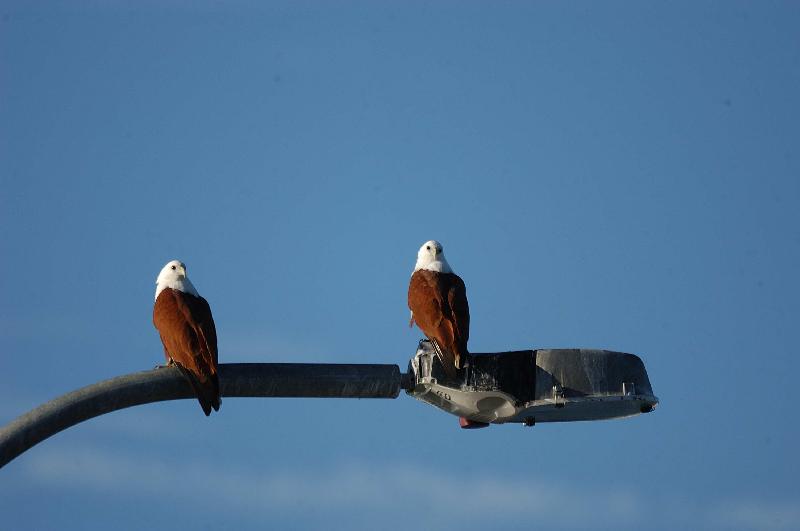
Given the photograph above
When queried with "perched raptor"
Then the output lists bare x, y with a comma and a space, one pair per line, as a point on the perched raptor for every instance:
437, 299
183, 319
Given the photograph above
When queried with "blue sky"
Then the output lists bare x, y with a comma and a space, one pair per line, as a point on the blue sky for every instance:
620, 175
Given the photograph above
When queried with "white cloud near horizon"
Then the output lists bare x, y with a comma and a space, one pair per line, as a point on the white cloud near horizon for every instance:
757, 514
443, 499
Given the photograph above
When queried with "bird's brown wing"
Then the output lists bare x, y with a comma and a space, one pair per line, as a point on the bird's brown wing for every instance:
189, 336
459, 311
201, 311
438, 302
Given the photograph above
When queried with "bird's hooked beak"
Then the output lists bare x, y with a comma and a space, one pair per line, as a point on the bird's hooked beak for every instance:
435, 253
182, 273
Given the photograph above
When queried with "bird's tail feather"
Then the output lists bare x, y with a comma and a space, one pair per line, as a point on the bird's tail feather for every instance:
207, 395
447, 359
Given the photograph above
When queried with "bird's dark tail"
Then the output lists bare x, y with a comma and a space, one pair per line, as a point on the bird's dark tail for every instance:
207, 392
447, 359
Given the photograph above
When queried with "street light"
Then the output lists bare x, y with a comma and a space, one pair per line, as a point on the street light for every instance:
528, 387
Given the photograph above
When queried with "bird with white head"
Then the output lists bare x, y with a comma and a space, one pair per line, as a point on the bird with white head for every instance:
184, 322
437, 298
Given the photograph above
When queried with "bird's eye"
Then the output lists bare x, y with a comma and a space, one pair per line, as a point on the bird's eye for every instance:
428, 247
173, 268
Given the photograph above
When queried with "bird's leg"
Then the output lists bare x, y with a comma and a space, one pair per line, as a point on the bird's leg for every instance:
170, 363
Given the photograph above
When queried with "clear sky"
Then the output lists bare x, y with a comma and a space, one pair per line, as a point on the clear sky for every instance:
621, 175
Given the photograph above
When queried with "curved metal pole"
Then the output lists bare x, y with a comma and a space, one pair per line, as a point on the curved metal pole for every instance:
312, 380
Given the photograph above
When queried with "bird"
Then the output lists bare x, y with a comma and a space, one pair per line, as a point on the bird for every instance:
437, 298
184, 322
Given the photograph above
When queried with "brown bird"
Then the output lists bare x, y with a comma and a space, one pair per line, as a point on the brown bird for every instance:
183, 319
437, 299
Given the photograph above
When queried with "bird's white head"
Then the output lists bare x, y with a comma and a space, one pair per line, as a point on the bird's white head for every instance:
173, 275
431, 257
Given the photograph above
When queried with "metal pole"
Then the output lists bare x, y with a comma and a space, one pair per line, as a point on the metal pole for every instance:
312, 380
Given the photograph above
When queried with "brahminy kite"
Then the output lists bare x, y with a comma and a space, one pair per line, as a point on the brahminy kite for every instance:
437, 299
183, 319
